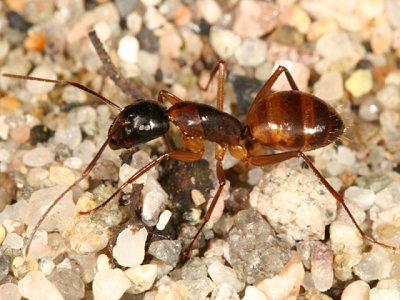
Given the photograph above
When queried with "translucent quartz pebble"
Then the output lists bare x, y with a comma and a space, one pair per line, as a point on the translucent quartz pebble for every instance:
252, 293
220, 273
321, 266
193, 289
36, 286
194, 268
110, 284
36, 87
58, 217
224, 291
68, 282
374, 265
128, 241
224, 42
364, 198
166, 250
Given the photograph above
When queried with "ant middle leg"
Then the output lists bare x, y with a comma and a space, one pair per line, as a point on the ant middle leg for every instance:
220, 69
264, 160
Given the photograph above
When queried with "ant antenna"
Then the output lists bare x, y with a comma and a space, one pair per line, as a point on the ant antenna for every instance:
66, 82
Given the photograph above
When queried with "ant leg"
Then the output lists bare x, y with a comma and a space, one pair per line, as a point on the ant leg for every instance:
65, 82
264, 160
54, 203
220, 68
219, 156
129, 87
171, 98
185, 156
263, 93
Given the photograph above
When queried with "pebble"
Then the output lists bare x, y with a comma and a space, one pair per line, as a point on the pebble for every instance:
148, 62
359, 83
384, 294
141, 277
209, 10
183, 15
320, 27
68, 282
374, 265
381, 36
58, 218
255, 18
110, 284
224, 42
364, 198
46, 265
369, 110
297, 18
2, 234
164, 219
321, 266
195, 268
13, 241
72, 95
170, 44
150, 3
285, 285
9, 103
254, 251
38, 88
220, 273
87, 265
148, 40
128, 49
35, 42
70, 136
8, 189
343, 58
126, 7
356, 290
134, 22
299, 72
130, 239
252, 52
389, 97
38, 157
167, 251
153, 19
35, 285
224, 291
193, 289
9, 291
154, 202
253, 293
329, 87
61, 175
294, 202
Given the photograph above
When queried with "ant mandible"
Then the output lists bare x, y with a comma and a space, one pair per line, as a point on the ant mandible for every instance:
289, 121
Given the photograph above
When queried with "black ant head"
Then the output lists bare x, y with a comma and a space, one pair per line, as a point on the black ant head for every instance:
138, 123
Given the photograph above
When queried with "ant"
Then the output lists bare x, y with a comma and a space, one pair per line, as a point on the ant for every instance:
289, 121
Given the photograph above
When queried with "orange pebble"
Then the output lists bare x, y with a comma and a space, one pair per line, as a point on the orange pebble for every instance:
35, 42
8, 103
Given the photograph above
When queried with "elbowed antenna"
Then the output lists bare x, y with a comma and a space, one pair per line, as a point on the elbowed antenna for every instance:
66, 82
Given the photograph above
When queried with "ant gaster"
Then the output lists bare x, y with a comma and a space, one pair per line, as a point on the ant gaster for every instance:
289, 121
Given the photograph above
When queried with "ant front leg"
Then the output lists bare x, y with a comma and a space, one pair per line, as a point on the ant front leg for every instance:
264, 160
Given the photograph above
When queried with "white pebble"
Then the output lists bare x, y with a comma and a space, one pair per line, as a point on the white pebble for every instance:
141, 277
253, 293
150, 3
61, 175
197, 197
9, 291
103, 262
220, 273
4, 128
38, 157
356, 290
164, 219
37, 87
153, 19
70, 136
209, 10
35, 285
374, 265
13, 241
329, 87
364, 198
224, 42
110, 284
130, 241
126, 171
252, 52
128, 49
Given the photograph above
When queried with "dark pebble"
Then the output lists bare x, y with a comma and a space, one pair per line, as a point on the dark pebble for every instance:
40, 133
16, 21
147, 40
245, 88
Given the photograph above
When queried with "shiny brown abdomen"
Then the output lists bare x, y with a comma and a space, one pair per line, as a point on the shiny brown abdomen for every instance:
293, 120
